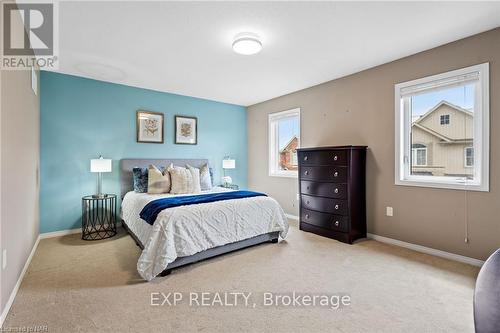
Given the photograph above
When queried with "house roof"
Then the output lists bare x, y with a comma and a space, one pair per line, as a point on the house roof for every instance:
288, 143
444, 138
432, 132
438, 105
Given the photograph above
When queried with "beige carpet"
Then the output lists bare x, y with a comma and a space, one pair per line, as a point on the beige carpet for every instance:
78, 286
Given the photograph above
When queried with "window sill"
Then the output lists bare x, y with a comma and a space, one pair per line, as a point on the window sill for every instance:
284, 175
442, 185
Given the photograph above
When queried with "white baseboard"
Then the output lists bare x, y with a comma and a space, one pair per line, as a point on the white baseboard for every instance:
293, 219
60, 233
427, 250
18, 283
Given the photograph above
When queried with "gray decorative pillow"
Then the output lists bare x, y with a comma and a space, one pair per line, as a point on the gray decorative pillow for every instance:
158, 180
181, 179
195, 172
140, 176
205, 178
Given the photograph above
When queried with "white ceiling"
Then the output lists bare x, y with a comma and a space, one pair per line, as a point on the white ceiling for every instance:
185, 47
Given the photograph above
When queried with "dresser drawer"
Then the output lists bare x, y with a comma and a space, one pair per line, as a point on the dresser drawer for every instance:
324, 173
331, 190
332, 157
328, 221
326, 205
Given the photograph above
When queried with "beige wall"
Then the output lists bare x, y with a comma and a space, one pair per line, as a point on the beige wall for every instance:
20, 142
359, 109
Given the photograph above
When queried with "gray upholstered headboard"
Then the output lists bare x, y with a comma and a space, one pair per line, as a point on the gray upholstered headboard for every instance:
127, 164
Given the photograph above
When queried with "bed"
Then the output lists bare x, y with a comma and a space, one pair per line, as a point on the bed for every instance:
186, 234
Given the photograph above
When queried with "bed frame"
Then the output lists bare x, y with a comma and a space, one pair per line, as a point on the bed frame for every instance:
126, 184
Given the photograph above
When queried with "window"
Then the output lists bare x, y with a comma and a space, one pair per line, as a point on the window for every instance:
294, 158
419, 154
469, 157
444, 119
454, 156
284, 139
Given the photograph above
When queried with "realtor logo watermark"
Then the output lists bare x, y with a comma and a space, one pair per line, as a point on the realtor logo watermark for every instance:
30, 35
251, 300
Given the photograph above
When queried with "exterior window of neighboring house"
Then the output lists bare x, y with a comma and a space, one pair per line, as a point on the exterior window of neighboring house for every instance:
454, 156
444, 119
294, 158
469, 156
419, 154
284, 139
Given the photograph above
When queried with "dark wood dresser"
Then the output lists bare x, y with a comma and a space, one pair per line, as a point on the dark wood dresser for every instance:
332, 191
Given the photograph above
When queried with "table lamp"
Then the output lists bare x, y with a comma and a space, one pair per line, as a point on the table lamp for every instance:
100, 165
227, 163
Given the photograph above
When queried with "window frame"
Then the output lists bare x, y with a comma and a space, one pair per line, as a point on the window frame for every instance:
465, 157
416, 155
443, 118
273, 142
402, 175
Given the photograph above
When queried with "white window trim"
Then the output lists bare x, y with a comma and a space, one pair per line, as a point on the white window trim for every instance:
402, 175
273, 144
443, 117
416, 156
465, 157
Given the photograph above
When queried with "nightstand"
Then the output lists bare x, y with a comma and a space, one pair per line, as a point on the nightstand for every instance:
98, 217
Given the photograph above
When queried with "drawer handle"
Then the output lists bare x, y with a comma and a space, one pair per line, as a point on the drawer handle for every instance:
336, 190
308, 187
337, 207
306, 173
336, 174
307, 216
336, 223
335, 157
305, 158
307, 202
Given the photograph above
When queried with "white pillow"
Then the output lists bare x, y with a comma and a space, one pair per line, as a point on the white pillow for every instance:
182, 180
158, 181
205, 179
195, 172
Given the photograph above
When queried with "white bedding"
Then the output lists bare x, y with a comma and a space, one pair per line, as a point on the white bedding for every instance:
186, 230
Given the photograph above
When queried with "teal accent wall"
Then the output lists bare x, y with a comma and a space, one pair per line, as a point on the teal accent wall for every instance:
83, 118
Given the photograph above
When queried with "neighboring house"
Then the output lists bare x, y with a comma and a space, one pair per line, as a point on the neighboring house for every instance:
288, 155
442, 142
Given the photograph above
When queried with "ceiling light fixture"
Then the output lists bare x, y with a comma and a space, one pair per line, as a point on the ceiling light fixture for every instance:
247, 43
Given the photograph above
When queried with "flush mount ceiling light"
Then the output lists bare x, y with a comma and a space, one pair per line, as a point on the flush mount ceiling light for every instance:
247, 43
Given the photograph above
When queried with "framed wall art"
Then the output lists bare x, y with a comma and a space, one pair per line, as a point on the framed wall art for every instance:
186, 130
150, 127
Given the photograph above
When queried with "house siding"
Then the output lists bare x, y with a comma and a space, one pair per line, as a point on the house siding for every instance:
445, 159
286, 161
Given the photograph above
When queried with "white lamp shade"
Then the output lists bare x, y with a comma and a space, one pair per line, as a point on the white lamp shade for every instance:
100, 165
228, 164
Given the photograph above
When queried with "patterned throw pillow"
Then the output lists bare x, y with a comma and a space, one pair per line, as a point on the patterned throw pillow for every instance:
205, 178
158, 180
140, 176
181, 179
195, 172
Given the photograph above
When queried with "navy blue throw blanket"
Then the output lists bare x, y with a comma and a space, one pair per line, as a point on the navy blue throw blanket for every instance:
153, 208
